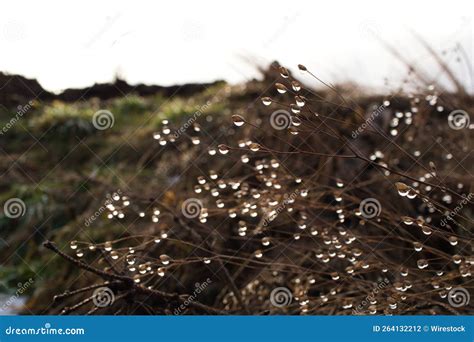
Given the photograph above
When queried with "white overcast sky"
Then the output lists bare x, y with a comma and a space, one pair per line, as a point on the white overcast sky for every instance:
75, 43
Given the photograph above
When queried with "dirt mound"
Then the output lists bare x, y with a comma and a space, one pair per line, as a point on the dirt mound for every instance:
16, 90
119, 88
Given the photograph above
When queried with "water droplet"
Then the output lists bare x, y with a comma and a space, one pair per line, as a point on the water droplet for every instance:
165, 130
258, 253
108, 246
130, 259
465, 270
284, 72
422, 263
426, 230
223, 149
411, 193
457, 258
295, 109
114, 255
206, 261
79, 253
296, 86
266, 241
244, 158
73, 244
142, 269
453, 240
161, 271
402, 188
165, 259
238, 120
281, 88
213, 174
232, 213
266, 101
347, 305
220, 204
254, 147
295, 121
417, 246
293, 130
300, 102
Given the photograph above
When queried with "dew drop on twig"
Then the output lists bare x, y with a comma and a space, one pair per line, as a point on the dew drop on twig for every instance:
281, 88
266, 101
284, 72
238, 120
223, 149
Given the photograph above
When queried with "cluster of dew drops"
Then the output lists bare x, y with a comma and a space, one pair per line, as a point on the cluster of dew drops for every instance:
136, 266
399, 122
256, 204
